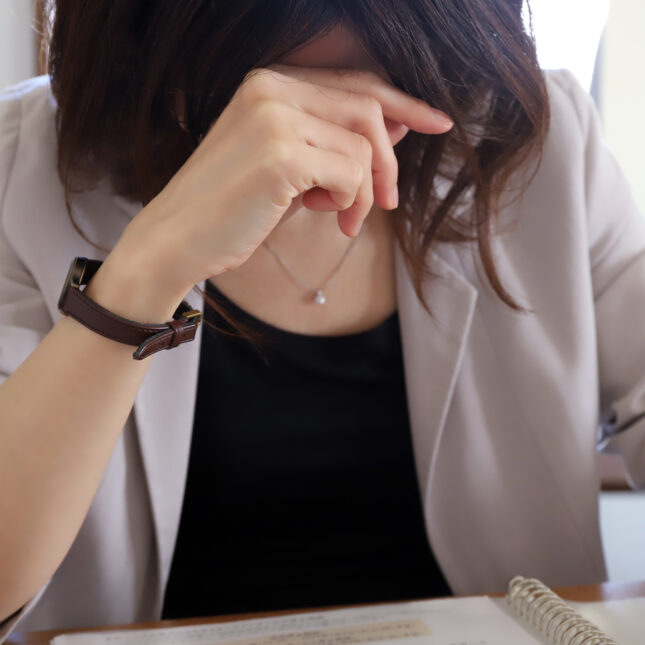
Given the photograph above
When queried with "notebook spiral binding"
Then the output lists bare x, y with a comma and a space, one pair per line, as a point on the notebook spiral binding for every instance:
546, 611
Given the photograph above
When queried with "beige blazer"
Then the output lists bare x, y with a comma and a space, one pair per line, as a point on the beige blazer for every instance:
505, 408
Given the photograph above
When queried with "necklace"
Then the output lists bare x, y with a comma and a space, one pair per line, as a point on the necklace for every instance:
319, 294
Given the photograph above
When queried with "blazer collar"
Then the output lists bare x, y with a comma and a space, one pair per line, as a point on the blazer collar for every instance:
432, 352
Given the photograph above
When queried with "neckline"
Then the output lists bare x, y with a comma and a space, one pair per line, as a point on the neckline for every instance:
279, 332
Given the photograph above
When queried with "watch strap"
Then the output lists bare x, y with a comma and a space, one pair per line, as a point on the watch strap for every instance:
148, 337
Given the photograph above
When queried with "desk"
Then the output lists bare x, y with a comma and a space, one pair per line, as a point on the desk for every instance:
606, 591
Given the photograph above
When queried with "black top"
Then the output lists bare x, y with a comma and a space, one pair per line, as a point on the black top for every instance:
301, 488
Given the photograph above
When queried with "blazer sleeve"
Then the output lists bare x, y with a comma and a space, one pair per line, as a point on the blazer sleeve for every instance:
24, 317
616, 239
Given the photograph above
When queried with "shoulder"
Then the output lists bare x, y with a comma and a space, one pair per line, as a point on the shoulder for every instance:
565, 159
27, 112
573, 110
26, 99
565, 91
567, 94
30, 90
22, 103
35, 222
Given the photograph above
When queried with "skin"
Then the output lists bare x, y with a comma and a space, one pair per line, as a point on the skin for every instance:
337, 49
363, 293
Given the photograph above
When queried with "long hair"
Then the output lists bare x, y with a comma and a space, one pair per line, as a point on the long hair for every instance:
116, 67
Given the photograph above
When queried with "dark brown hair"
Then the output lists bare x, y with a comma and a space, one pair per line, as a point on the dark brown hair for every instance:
116, 67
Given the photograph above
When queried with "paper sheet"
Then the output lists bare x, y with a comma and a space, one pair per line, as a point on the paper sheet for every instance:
623, 620
454, 621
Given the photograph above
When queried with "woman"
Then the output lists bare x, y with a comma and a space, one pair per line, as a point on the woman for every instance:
425, 425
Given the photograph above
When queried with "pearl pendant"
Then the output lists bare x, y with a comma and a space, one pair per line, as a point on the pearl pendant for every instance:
320, 297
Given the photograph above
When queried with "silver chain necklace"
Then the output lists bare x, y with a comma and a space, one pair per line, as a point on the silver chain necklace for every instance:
319, 294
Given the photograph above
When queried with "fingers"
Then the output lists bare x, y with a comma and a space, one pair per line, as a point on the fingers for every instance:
396, 131
354, 138
347, 122
383, 113
397, 106
343, 176
358, 113
318, 199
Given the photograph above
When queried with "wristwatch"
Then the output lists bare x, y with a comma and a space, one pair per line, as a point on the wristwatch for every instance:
148, 338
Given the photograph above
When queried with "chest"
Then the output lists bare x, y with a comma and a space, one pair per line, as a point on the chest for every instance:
359, 296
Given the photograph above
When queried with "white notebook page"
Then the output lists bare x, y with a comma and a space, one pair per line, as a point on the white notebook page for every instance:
623, 620
453, 621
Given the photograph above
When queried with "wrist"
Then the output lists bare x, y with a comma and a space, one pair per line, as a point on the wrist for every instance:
129, 291
148, 336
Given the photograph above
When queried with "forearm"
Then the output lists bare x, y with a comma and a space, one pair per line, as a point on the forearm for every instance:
62, 411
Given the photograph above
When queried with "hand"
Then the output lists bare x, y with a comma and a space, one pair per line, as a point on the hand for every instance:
325, 134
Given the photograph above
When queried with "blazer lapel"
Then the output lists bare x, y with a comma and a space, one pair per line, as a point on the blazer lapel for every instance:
164, 412
433, 348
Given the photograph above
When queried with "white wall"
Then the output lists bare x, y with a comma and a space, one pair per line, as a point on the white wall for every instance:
622, 524
623, 90
567, 33
622, 104
18, 58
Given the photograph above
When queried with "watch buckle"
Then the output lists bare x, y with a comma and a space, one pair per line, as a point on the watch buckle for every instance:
194, 313
78, 272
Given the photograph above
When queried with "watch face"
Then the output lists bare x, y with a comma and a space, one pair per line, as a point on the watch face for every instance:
73, 279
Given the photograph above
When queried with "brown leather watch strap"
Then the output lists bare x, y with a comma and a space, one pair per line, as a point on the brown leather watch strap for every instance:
149, 338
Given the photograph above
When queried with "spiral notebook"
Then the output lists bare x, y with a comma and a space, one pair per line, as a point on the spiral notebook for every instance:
531, 614
550, 616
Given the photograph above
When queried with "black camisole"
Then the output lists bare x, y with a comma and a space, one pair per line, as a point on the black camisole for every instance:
301, 488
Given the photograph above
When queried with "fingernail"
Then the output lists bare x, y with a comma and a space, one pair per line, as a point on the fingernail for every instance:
394, 197
443, 118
